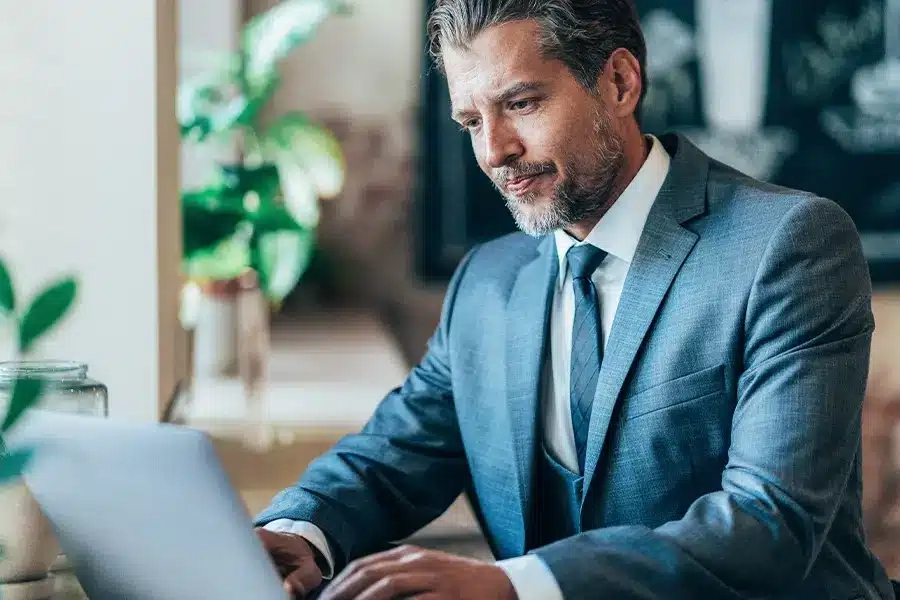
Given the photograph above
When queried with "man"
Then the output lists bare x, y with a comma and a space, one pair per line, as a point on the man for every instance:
653, 392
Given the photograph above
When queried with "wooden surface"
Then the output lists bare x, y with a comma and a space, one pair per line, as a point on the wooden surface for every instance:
326, 372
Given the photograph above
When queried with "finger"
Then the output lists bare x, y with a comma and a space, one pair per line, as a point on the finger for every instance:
365, 577
373, 560
401, 585
303, 580
294, 587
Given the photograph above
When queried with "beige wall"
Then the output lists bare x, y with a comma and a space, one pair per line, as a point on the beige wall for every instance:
88, 182
365, 65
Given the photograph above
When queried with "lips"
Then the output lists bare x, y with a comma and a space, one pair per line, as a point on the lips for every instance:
520, 185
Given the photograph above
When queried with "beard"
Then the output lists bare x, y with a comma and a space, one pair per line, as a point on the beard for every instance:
583, 193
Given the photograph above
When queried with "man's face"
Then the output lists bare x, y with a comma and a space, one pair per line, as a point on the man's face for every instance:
547, 143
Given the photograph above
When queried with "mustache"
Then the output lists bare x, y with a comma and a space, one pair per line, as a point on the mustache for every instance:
504, 174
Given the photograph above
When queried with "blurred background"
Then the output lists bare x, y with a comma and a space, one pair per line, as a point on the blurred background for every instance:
264, 200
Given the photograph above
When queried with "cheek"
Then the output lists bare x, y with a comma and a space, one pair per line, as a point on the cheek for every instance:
547, 139
478, 151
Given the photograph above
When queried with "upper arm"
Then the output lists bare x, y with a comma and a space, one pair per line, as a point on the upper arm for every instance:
811, 287
797, 422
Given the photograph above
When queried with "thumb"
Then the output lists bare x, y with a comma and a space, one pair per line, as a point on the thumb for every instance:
303, 580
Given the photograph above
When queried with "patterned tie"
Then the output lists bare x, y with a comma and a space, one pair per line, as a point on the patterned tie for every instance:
586, 347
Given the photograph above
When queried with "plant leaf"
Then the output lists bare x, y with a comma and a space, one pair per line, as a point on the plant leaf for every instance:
13, 463
209, 216
228, 259
297, 144
272, 217
301, 197
7, 292
280, 259
212, 103
26, 393
272, 35
47, 309
262, 179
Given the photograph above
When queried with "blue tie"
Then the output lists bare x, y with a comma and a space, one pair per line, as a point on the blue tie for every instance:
586, 342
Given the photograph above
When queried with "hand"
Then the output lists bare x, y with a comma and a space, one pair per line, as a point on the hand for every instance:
295, 559
411, 572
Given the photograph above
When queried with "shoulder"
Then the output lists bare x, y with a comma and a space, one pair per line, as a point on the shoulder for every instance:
788, 238
511, 248
761, 213
501, 256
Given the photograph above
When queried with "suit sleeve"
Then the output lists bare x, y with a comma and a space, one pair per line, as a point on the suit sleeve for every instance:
401, 471
795, 436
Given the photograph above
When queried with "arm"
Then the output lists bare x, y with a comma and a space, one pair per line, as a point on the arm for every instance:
400, 472
807, 337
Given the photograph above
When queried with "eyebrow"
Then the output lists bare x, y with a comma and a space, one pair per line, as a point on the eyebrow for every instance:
523, 87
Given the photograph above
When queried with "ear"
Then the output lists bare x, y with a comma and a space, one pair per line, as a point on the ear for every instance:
622, 83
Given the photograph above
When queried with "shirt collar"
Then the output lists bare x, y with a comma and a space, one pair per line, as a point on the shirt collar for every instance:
619, 230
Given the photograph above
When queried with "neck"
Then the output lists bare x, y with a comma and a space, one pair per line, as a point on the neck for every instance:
636, 150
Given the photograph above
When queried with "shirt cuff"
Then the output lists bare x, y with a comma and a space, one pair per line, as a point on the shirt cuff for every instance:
531, 578
311, 533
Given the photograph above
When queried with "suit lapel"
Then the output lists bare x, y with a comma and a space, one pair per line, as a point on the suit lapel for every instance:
663, 248
527, 330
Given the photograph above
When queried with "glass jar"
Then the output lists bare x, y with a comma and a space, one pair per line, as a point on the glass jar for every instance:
67, 387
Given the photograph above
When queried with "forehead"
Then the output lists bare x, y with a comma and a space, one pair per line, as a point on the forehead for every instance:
498, 57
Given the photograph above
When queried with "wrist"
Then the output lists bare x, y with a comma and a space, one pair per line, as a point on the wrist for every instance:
505, 585
318, 557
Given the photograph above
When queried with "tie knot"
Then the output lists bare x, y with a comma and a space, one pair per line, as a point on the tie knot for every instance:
584, 259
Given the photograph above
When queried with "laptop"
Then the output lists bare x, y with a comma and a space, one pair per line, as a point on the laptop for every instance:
144, 511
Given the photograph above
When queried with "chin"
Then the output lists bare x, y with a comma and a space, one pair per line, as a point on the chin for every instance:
534, 219
532, 202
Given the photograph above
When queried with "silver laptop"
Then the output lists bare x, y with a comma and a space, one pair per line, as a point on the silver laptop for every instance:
144, 511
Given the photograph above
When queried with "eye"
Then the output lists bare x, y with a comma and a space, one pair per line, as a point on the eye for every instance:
519, 105
470, 124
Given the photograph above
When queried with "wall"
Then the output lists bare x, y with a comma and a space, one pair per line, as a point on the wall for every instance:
365, 64
88, 182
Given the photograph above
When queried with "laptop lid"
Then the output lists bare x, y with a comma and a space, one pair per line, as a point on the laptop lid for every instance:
144, 510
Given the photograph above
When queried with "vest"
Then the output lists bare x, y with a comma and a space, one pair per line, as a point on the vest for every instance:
557, 500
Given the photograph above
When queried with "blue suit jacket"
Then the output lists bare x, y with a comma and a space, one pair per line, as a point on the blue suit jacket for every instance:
724, 449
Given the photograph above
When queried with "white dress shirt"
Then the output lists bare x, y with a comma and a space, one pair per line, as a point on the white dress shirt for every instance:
617, 233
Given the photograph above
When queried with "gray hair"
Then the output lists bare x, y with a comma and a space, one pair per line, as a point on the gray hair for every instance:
582, 34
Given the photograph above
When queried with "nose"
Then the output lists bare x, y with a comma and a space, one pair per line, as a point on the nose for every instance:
501, 145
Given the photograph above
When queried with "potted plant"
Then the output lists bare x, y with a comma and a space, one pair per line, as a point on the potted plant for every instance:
253, 224
26, 539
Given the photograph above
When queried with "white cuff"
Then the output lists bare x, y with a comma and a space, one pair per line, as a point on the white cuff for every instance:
313, 535
531, 578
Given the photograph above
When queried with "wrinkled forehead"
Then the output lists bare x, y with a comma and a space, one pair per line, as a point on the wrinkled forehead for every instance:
497, 58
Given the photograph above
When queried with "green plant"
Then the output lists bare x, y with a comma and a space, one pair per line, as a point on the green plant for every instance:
258, 215
39, 317
30, 322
